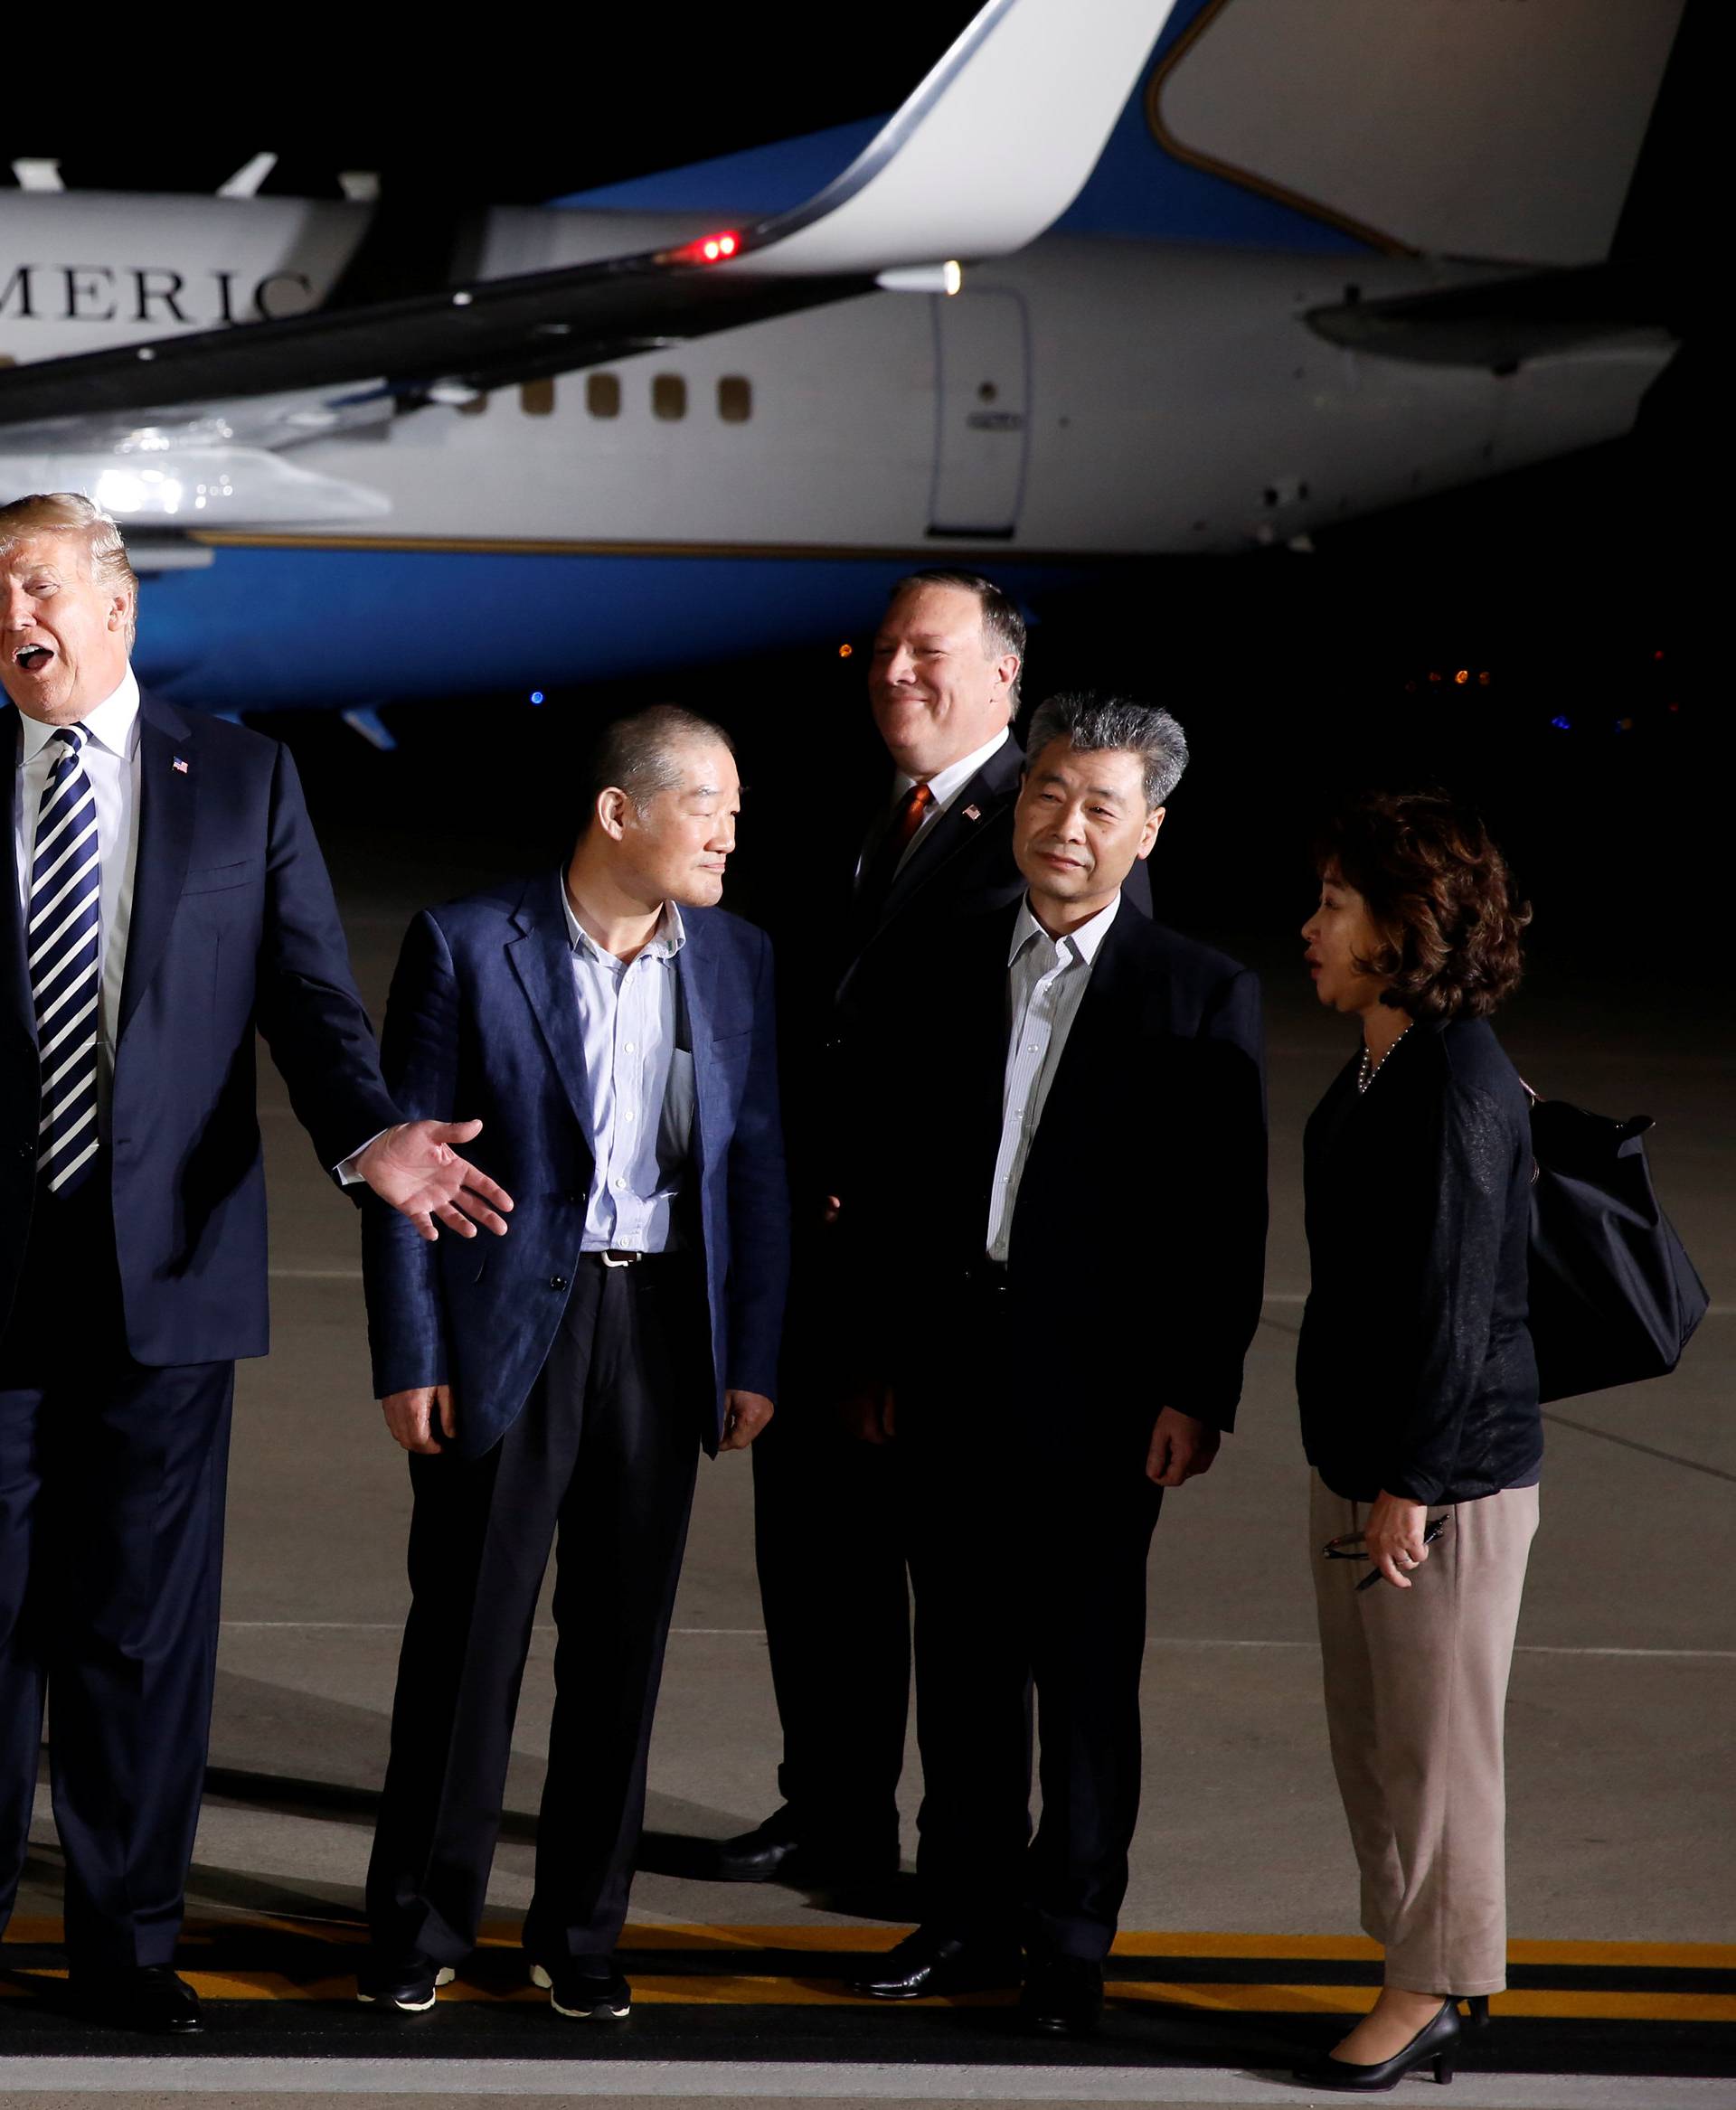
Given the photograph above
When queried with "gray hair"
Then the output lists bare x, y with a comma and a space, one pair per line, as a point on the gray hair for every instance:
71, 512
1095, 723
641, 754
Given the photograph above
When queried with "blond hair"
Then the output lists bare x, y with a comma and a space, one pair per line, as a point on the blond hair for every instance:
71, 512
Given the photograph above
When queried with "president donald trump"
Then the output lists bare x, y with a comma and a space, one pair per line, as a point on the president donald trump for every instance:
614, 1028
166, 897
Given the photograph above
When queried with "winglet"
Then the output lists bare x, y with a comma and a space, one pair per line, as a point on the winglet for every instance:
991, 149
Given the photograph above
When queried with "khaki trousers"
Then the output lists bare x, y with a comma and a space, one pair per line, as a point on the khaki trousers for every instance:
1416, 1688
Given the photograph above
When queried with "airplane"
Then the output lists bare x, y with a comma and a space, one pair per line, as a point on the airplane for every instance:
1328, 255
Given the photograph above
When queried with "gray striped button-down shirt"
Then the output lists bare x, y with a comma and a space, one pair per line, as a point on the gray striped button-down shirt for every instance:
1046, 981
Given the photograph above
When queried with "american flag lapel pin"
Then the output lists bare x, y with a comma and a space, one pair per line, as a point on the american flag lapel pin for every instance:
973, 812
180, 763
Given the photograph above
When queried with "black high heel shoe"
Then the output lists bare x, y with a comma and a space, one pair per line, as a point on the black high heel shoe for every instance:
1433, 2044
1477, 2011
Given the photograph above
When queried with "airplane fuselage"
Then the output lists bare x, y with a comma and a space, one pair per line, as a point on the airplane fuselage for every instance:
1084, 398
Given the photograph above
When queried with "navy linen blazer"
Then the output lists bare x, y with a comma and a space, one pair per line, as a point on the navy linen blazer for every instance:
482, 1008
233, 926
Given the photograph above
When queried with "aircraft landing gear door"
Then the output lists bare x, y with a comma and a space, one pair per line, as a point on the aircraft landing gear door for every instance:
982, 406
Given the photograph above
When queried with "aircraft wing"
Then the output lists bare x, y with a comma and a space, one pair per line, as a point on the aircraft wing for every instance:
990, 149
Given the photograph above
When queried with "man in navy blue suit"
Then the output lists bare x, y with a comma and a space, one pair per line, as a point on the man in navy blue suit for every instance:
616, 1030
167, 897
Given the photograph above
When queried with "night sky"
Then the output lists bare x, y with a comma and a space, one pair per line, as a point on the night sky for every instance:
1580, 588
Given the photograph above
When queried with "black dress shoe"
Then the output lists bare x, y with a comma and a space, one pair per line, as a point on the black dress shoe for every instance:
584, 1989
928, 1962
406, 1982
781, 1850
1062, 1996
1434, 2044
143, 1996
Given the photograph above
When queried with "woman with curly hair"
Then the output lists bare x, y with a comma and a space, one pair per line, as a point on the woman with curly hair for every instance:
1418, 1390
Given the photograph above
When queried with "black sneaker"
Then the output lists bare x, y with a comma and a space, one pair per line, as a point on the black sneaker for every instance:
584, 1989
407, 1983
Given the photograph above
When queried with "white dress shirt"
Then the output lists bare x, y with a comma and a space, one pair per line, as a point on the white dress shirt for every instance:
109, 756
638, 1096
1046, 983
945, 784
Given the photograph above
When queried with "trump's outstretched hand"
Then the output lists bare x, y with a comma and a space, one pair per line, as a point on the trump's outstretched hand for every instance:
415, 1169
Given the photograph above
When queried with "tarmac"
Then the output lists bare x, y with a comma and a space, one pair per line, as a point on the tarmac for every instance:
1241, 1948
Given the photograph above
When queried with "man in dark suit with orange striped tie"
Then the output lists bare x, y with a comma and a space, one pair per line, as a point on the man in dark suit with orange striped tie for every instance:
943, 686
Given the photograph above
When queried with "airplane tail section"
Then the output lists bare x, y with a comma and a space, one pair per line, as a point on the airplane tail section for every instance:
1495, 129
990, 150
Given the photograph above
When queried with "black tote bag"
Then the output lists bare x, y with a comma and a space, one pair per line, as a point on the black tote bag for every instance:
1614, 1296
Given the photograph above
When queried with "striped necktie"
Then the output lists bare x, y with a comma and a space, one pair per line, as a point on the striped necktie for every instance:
65, 893
876, 882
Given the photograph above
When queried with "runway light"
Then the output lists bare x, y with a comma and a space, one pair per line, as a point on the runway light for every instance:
1624, 725
536, 695
845, 651
1483, 679
1462, 676
1562, 724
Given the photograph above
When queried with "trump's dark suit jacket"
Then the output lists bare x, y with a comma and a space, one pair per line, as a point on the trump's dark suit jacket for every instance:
233, 926
1137, 1245
483, 1006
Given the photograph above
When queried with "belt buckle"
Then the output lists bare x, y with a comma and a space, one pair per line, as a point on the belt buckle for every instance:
614, 1258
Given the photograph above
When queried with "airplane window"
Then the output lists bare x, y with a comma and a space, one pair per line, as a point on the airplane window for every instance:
668, 396
536, 398
603, 394
734, 399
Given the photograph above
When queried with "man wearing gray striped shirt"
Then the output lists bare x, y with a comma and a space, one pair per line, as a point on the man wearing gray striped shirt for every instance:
1056, 1336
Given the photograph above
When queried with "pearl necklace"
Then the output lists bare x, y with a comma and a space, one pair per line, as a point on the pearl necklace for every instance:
1367, 1070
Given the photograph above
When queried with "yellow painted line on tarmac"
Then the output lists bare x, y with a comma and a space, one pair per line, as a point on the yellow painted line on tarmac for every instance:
758, 1990
751, 1988
1642, 1956
1351, 1999
869, 1940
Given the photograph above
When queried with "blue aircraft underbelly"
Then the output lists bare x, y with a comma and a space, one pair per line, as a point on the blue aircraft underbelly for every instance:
273, 629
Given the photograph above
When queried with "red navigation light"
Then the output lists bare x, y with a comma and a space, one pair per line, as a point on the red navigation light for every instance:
710, 248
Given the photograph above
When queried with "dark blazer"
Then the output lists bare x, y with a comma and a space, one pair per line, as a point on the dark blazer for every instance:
483, 1007
962, 864
233, 926
1139, 1239
1415, 1370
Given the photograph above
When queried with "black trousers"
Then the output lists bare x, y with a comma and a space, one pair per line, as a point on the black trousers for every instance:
829, 1546
111, 1528
603, 1457
1030, 1520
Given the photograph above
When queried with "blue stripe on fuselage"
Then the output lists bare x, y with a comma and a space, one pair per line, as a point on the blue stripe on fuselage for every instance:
278, 628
